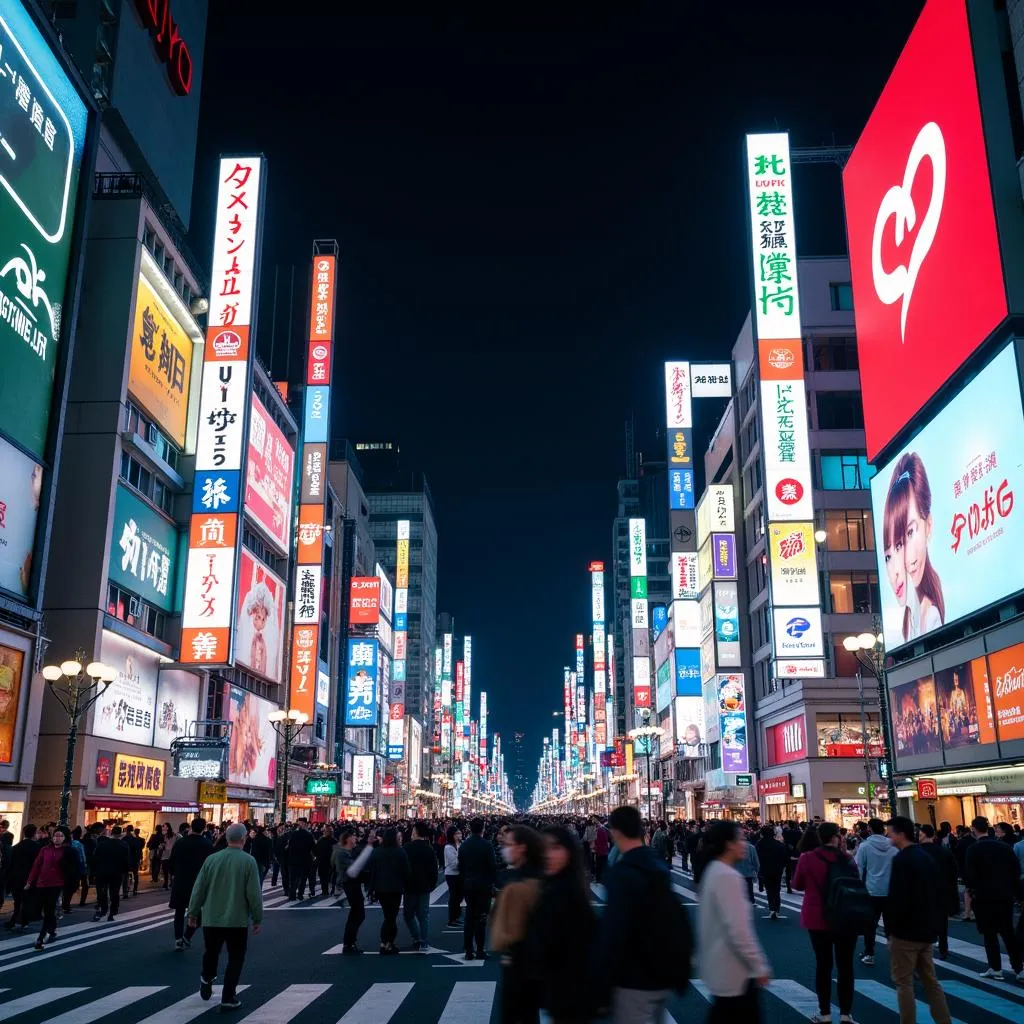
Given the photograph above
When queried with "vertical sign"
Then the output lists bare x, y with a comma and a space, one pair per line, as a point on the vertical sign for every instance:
467, 661
446, 697
599, 642
396, 718
313, 497
483, 740
638, 608
207, 613
679, 432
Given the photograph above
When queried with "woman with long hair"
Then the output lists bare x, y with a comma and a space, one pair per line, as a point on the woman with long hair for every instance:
452, 877
55, 865
523, 852
561, 931
389, 871
166, 847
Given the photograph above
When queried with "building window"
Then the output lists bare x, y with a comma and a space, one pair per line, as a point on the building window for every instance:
845, 471
841, 293
844, 662
854, 592
834, 354
130, 608
839, 410
849, 529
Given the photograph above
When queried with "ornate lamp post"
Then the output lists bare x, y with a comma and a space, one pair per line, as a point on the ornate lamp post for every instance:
869, 649
287, 725
76, 690
647, 733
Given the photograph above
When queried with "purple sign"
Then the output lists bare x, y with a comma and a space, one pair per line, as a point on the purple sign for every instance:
723, 555
732, 720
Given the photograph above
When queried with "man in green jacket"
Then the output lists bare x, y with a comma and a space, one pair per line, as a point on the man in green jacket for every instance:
227, 894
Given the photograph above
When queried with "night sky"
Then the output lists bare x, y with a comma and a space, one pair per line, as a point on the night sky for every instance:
533, 212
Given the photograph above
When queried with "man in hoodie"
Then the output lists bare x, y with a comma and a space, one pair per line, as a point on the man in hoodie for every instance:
874, 861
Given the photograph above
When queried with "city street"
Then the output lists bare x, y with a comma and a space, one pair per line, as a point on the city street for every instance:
129, 971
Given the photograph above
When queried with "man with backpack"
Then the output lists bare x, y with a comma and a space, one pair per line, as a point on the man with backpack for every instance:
836, 909
874, 861
644, 946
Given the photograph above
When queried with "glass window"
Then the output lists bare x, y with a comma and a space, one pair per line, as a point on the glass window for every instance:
841, 293
842, 735
844, 662
839, 410
854, 592
835, 353
849, 530
845, 471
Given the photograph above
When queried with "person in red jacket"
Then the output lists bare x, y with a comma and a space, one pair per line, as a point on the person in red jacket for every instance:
54, 865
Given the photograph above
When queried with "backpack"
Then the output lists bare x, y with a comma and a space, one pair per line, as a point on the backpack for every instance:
847, 904
673, 925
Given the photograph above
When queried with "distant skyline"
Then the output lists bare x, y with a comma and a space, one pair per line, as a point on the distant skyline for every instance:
534, 212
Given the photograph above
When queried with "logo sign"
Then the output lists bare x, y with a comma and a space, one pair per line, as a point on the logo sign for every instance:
787, 742
773, 786
170, 47
787, 450
727, 624
687, 672
918, 196
213, 792
711, 380
21, 481
270, 471
321, 787
680, 448
802, 669
143, 550
794, 563
686, 623
723, 553
314, 466
364, 600
637, 548
927, 789
138, 776
680, 489
684, 576
43, 124
387, 595
798, 633
678, 407
683, 530
202, 762
948, 510
361, 686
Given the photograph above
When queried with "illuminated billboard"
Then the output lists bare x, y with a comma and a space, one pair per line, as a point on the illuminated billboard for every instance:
364, 600
361, 682
732, 722
794, 566
259, 619
269, 475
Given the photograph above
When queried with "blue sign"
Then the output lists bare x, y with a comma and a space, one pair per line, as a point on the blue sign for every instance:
361, 682
659, 619
688, 676
680, 489
401, 623
216, 491
395, 753
398, 671
317, 408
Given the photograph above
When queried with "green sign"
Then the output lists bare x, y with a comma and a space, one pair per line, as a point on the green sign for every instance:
321, 787
44, 124
744, 780
638, 587
143, 550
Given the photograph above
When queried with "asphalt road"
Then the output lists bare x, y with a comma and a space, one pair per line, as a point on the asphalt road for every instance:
128, 971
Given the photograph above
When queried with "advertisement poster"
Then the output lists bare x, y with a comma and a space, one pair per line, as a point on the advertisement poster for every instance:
915, 717
687, 672
689, 712
12, 663
727, 624
362, 774
664, 691
723, 552
259, 618
361, 683
1006, 672
794, 566
268, 478
21, 483
798, 633
252, 756
177, 704
732, 720
143, 550
44, 126
948, 512
126, 708
965, 707
160, 369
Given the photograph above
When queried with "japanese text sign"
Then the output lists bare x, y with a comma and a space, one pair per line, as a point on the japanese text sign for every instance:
361, 704
364, 600
143, 550
138, 776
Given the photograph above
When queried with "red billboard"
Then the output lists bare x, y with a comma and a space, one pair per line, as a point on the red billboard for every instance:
364, 601
787, 741
922, 226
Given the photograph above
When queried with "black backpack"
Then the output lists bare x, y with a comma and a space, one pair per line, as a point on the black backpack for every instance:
847, 904
672, 925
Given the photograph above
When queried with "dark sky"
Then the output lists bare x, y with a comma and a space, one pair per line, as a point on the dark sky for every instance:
534, 212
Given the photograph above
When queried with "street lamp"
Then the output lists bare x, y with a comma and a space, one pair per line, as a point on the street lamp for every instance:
287, 725
869, 649
820, 536
76, 690
648, 732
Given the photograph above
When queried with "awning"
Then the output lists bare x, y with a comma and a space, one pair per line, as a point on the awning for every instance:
117, 803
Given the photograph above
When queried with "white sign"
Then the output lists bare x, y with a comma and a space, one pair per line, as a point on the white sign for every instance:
323, 689
715, 512
234, 265
711, 380
678, 407
125, 711
707, 613
637, 547
387, 592
221, 418
403, 529
641, 671
177, 705
686, 623
798, 633
402, 602
787, 450
307, 594
362, 774
800, 669
684, 576
597, 596
638, 610
208, 596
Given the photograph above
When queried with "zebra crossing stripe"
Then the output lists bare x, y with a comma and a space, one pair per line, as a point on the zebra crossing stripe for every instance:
88, 1012
879, 993
48, 995
187, 1009
377, 1005
285, 1005
987, 1001
469, 1003
803, 1000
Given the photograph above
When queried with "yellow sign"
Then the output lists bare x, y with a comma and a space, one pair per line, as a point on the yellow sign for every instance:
297, 802
794, 564
402, 572
138, 776
213, 792
160, 370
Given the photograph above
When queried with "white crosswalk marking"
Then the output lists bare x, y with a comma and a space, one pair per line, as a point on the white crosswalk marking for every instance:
378, 1004
48, 995
439, 895
89, 1012
469, 1003
987, 1001
285, 1005
187, 1009
885, 996
803, 1000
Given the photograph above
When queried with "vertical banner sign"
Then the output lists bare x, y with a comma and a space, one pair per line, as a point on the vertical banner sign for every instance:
460, 684
315, 432
435, 746
679, 431
446, 697
638, 606
396, 723
467, 662
571, 753
214, 534
483, 739
580, 707
599, 643
610, 642
785, 441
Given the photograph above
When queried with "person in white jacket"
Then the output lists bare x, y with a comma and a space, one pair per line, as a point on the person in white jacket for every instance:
874, 858
452, 877
733, 964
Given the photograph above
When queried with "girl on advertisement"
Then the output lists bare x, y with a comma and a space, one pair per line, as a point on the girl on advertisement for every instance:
907, 530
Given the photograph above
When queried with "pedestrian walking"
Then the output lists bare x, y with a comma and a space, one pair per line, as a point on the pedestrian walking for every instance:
262, 849
389, 874
299, 853
73, 878
348, 867
166, 848
420, 883
110, 862
226, 897
23, 856
55, 863
478, 870
135, 850
452, 878
322, 852
749, 866
187, 859
874, 858
947, 893
602, 847
153, 849
773, 856
912, 913
732, 963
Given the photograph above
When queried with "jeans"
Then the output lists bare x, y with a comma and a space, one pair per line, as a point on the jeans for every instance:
389, 903
600, 863
733, 1009
454, 883
108, 894
356, 911
48, 898
773, 891
878, 905
905, 958
478, 904
181, 930
639, 1006
236, 940
995, 920
417, 910
298, 874
823, 944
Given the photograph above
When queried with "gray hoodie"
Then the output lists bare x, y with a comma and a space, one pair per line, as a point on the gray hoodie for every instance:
874, 859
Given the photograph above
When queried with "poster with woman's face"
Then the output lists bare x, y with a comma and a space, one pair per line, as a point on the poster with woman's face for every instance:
259, 618
915, 717
12, 662
252, 757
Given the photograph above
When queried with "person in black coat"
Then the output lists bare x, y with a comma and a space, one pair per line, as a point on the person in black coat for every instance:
23, 856
773, 857
111, 861
478, 870
992, 873
389, 875
947, 894
280, 841
262, 850
299, 854
135, 847
420, 884
187, 857
323, 851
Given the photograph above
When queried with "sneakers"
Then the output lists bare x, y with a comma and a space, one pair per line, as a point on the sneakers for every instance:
179, 945
227, 1005
205, 988
110, 917
990, 972
774, 915
868, 960
97, 916
470, 956
39, 944
352, 950
52, 937
821, 1018
1020, 977
846, 1019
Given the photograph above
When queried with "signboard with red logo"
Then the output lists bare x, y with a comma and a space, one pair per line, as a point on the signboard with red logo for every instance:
918, 197
364, 601
787, 741
927, 789
775, 785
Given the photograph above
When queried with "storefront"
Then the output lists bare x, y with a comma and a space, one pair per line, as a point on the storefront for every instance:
784, 800
846, 803
959, 797
244, 805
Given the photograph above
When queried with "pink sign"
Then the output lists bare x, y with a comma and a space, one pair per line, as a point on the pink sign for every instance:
269, 476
